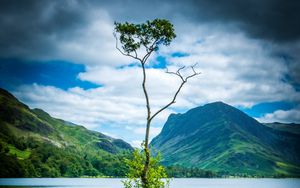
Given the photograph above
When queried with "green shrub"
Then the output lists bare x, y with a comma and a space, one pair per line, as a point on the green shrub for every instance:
157, 177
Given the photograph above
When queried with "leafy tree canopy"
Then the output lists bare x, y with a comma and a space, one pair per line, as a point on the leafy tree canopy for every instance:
149, 35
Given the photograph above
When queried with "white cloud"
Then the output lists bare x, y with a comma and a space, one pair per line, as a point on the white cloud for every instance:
284, 116
136, 143
127, 82
235, 69
153, 131
94, 45
87, 107
95, 108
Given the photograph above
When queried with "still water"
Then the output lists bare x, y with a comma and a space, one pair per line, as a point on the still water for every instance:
175, 183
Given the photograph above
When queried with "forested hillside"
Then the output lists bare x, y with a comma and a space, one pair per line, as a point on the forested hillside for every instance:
33, 144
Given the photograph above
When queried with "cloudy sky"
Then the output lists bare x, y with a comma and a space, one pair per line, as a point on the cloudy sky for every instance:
60, 56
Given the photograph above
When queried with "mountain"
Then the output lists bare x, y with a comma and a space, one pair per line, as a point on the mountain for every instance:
223, 139
34, 144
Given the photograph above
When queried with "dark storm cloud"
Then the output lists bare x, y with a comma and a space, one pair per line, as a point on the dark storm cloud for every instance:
30, 26
276, 20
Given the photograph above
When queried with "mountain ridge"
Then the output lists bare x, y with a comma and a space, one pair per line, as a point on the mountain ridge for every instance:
219, 137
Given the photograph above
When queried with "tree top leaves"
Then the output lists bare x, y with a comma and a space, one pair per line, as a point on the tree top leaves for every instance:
149, 35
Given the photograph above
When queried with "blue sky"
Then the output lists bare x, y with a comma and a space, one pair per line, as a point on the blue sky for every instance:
67, 63
61, 74
260, 109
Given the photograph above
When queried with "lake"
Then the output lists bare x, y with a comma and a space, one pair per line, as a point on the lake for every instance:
175, 183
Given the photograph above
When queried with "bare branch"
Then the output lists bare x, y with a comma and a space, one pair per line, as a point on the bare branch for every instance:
195, 73
184, 80
152, 45
177, 73
135, 54
170, 103
144, 60
169, 72
125, 54
181, 68
149, 50
146, 47
193, 67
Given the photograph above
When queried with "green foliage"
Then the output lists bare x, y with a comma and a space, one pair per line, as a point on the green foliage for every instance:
193, 172
46, 160
11, 167
148, 35
155, 174
19, 153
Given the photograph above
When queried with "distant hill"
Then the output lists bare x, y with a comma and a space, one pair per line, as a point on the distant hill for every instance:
285, 127
223, 139
34, 144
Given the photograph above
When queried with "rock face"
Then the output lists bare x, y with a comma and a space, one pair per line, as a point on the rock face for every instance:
222, 138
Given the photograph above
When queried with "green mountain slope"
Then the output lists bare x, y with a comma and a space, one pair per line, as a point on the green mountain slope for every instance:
223, 139
34, 144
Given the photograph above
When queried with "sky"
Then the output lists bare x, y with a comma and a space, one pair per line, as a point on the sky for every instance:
60, 56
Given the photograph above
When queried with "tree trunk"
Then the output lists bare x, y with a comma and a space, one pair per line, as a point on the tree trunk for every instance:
144, 177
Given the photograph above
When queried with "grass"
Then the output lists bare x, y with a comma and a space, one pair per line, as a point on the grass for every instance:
19, 153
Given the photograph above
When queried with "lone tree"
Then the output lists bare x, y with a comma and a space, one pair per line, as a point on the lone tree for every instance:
139, 41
